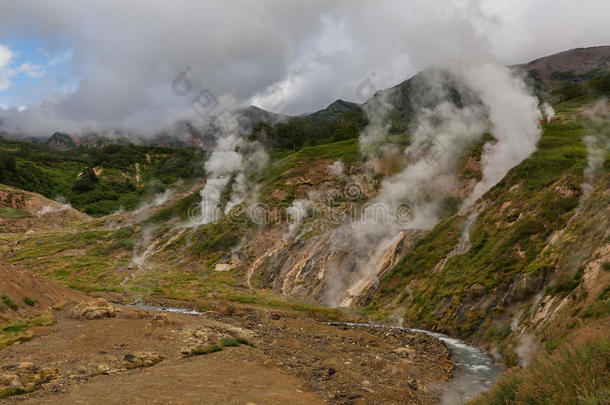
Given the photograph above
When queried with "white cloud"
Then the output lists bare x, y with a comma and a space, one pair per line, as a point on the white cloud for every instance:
5, 71
32, 70
291, 56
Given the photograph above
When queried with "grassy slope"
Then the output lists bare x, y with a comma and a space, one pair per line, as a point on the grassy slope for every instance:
129, 172
572, 375
505, 243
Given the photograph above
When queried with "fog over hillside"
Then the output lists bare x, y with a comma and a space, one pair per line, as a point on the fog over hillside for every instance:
120, 59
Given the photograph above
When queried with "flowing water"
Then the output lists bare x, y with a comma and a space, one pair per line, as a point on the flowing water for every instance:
474, 372
165, 309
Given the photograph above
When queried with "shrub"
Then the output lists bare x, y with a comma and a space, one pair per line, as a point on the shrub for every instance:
29, 301
8, 302
227, 342
566, 283
243, 341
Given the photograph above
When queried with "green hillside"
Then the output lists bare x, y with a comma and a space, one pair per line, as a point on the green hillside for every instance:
97, 181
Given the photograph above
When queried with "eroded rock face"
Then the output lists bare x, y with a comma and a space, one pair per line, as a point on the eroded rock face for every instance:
25, 376
524, 287
92, 309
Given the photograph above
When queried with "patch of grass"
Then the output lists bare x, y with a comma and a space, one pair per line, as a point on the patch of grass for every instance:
29, 301
565, 283
9, 392
180, 209
9, 302
122, 233
207, 350
6, 212
601, 306
126, 244
243, 341
316, 311
228, 342
17, 329
572, 375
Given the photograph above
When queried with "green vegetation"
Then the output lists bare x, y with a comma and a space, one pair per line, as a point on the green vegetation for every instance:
264, 298
179, 209
29, 301
299, 132
228, 342
565, 283
17, 329
243, 341
13, 213
573, 375
8, 392
299, 164
217, 347
597, 85
601, 306
506, 240
98, 181
8, 302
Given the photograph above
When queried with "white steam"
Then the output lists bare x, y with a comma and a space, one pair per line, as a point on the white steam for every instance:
298, 212
514, 118
49, 209
548, 112
231, 162
526, 349
597, 142
336, 169
492, 100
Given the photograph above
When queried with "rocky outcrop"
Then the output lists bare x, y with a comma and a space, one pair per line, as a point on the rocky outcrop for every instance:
23, 377
141, 359
92, 309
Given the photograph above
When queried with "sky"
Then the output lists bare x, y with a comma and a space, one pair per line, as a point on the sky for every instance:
141, 64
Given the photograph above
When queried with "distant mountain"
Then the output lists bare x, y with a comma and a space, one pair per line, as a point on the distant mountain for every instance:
568, 67
545, 75
60, 141
334, 110
185, 133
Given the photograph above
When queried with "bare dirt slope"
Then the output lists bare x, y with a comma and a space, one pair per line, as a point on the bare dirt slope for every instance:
38, 211
18, 284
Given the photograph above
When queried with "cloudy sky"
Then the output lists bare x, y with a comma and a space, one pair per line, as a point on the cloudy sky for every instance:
74, 65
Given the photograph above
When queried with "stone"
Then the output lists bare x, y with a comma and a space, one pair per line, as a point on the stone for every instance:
142, 359
92, 309
404, 351
27, 366
223, 267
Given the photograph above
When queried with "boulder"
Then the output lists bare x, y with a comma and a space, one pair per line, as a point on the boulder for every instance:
404, 351
141, 359
92, 309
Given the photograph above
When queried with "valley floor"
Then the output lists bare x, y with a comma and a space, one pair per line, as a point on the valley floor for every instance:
145, 356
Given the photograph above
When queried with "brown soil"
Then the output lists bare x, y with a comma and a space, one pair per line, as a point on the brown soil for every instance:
294, 359
17, 284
